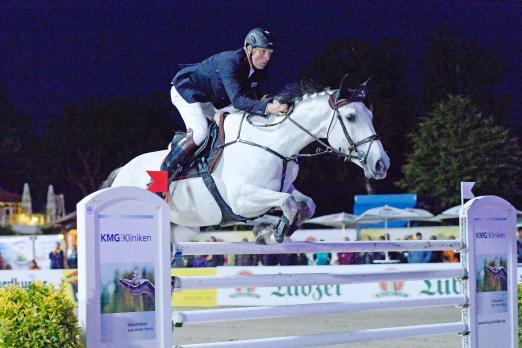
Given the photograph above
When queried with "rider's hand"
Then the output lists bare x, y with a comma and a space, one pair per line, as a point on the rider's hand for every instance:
277, 109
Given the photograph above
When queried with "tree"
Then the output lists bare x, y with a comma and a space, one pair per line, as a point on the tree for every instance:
457, 143
18, 144
90, 139
454, 66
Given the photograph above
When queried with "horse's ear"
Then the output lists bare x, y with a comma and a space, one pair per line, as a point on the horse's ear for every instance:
343, 91
361, 92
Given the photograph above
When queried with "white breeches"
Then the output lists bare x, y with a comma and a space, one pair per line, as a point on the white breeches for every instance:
194, 115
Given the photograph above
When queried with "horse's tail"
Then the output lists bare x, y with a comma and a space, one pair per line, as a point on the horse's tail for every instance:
110, 179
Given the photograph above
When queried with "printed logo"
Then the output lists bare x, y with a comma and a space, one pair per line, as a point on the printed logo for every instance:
245, 292
124, 237
392, 289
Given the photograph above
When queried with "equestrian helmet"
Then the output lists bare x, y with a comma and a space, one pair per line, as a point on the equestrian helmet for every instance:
258, 37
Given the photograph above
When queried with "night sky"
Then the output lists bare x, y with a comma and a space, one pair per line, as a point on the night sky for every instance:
53, 54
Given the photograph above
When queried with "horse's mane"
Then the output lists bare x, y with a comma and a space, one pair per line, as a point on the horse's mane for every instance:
294, 92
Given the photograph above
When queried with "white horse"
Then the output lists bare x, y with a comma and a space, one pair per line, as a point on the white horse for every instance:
256, 173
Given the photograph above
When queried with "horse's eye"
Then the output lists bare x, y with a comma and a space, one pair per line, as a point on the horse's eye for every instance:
350, 117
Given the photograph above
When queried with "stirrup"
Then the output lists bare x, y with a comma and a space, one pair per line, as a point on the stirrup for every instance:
174, 173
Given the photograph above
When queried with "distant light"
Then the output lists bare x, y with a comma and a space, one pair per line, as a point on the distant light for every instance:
34, 219
60, 236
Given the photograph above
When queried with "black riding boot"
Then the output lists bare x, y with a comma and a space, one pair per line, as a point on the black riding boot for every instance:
181, 151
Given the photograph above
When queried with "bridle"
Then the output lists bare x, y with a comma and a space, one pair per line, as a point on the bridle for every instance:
353, 150
352, 146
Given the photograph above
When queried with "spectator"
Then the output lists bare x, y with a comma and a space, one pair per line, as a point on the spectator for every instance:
397, 255
346, 258
215, 260
4, 265
72, 260
200, 261
379, 255
245, 259
288, 259
270, 259
56, 257
419, 256
2, 262
436, 255
177, 261
33, 265
302, 260
365, 257
322, 259
519, 244
189, 261
450, 255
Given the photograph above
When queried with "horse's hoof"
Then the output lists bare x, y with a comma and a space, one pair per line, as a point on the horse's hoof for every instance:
280, 231
262, 232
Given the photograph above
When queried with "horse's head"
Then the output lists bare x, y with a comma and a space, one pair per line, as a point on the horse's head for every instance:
351, 131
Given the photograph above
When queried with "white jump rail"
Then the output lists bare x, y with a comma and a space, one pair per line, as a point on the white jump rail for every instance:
298, 279
339, 337
183, 318
219, 248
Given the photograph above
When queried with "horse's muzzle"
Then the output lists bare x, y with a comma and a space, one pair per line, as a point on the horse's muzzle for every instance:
379, 171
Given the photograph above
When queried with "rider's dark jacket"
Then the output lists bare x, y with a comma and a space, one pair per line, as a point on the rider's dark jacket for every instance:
223, 79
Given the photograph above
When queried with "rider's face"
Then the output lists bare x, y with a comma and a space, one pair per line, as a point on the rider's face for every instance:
260, 57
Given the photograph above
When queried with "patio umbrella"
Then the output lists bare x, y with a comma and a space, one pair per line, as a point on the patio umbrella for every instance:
421, 215
334, 220
453, 213
385, 213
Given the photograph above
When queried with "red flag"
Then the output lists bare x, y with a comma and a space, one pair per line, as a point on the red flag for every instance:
159, 181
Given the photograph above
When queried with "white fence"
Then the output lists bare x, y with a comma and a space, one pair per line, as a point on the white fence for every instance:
487, 271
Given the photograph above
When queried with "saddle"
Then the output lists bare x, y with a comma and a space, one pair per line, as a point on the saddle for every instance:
203, 163
208, 154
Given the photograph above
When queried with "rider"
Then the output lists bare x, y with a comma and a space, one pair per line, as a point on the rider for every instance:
230, 77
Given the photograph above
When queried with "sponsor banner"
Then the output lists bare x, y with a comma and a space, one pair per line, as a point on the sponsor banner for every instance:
17, 251
25, 278
382, 291
194, 298
490, 229
43, 245
124, 293
56, 277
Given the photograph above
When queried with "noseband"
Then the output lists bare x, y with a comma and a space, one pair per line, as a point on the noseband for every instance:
353, 151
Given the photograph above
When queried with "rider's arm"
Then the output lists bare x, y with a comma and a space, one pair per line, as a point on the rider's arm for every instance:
232, 81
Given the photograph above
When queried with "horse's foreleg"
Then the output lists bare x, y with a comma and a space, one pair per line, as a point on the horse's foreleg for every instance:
252, 200
306, 206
